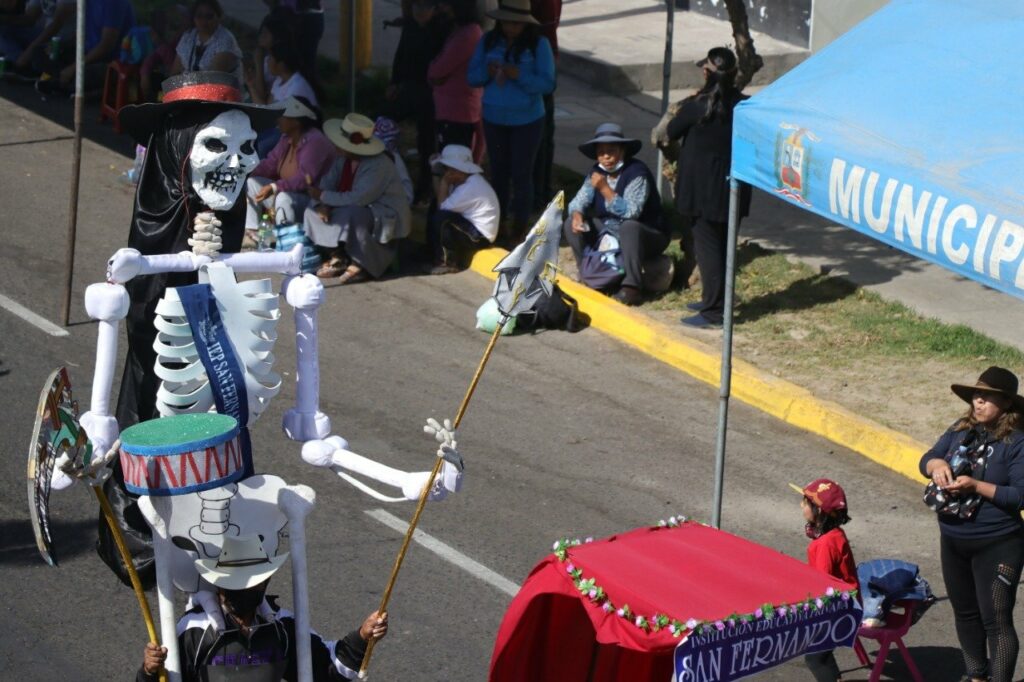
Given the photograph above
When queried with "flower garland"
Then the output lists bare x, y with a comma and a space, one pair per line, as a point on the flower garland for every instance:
589, 588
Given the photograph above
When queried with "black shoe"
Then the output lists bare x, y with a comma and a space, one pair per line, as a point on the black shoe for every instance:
698, 321
630, 296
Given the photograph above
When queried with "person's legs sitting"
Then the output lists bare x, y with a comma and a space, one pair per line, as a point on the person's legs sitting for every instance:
254, 184
638, 243
459, 239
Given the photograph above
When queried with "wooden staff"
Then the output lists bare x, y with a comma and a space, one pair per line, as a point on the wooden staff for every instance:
126, 557
426, 492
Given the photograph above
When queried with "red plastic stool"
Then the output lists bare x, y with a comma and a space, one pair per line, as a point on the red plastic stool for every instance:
897, 623
120, 87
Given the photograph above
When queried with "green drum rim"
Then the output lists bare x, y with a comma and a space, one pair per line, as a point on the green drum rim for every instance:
178, 433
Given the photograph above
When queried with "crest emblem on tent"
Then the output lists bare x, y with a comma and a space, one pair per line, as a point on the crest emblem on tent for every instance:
792, 159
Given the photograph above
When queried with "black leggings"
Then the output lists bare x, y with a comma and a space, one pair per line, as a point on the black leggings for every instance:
981, 578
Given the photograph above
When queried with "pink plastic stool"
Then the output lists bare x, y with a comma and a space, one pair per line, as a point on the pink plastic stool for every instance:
897, 623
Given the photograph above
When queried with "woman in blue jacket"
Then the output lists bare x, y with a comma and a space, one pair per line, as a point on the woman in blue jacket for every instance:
977, 468
516, 68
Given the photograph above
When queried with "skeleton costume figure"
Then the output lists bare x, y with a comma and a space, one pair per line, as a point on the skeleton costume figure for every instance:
200, 148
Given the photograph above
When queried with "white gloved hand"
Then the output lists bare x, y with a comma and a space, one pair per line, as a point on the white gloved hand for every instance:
101, 429
445, 435
306, 291
206, 237
124, 265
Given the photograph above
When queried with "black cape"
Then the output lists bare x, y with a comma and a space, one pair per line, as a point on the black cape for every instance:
165, 206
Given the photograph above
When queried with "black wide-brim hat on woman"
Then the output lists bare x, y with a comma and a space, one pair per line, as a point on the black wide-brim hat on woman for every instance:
215, 91
994, 380
610, 133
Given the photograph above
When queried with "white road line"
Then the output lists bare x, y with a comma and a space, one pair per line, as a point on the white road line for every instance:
30, 317
447, 552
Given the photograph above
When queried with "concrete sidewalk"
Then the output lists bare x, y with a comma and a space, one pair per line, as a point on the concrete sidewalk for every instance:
595, 30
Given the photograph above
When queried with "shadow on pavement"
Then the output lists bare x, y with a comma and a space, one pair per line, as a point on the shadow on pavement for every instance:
935, 663
59, 109
18, 542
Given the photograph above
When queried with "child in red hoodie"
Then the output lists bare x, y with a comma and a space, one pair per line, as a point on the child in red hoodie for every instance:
824, 508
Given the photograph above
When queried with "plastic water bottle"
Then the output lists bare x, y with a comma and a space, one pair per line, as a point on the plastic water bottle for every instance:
264, 231
55, 49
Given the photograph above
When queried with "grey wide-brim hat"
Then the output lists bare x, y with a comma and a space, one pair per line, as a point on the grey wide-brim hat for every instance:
610, 133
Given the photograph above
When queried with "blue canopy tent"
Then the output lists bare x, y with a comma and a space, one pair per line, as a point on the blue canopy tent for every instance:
909, 129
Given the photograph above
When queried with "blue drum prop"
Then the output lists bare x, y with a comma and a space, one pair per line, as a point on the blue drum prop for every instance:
181, 454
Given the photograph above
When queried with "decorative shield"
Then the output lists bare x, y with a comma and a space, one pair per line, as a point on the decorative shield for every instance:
56, 432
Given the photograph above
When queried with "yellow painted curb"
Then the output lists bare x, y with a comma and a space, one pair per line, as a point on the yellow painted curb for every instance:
779, 398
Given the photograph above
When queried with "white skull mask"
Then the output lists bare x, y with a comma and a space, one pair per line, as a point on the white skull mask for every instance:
223, 154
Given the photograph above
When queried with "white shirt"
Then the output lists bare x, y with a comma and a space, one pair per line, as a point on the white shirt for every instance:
476, 201
296, 86
222, 40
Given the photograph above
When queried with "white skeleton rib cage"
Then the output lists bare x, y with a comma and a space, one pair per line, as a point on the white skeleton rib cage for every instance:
194, 524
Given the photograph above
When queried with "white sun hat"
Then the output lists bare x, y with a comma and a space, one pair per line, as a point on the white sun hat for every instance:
458, 157
243, 563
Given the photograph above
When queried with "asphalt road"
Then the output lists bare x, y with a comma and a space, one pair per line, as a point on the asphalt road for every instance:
567, 436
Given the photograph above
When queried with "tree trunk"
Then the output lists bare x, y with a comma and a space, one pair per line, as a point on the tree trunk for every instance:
749, 61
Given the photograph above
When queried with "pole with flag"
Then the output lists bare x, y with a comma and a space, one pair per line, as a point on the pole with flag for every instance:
523, 276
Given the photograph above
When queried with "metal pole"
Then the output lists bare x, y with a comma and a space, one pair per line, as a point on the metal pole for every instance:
726, 378
76, 158
666, 77
352, 55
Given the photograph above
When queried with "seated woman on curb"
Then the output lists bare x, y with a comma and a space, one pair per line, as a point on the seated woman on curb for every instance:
467, 218
620, 198
303, 155
362, 208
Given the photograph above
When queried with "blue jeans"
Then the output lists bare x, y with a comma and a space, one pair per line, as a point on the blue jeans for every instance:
512, 151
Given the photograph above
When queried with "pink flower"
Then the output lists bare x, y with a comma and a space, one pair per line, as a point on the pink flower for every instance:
691, 624
570, 567
639, 621
845, 596
592, 594
589, 540
719, 625
830, 592
621, 613
819, 603
731, 622
781, 610
607, 606
759, 613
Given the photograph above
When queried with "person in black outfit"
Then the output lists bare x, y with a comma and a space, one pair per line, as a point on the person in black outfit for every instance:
424, 31
982, 535
704, 122
249, 638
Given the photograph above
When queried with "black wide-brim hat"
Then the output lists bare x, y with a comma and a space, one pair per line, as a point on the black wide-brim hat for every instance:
213, 90
610, 133
994, 380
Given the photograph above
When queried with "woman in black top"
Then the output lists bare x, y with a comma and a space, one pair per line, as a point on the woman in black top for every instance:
704, 122
978, 468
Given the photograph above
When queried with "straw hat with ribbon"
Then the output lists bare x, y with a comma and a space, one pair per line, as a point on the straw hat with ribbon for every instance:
994, 380
353, 134
243, 563
513, 10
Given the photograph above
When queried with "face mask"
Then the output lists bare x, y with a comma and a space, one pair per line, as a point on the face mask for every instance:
244, 602
615, 169
223, 154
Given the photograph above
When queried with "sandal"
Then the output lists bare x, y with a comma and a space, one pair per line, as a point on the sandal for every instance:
331, 269
353, 275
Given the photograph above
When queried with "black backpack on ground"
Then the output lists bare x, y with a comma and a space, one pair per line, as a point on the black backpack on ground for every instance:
558, 311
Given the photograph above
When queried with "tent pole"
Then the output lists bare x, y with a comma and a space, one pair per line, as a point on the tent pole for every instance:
666, 77
726, 378
76, 159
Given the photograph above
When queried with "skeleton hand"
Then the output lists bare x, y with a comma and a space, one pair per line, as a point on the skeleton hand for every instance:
102, 431
445, 435
124, 265
205, 240
95, 472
